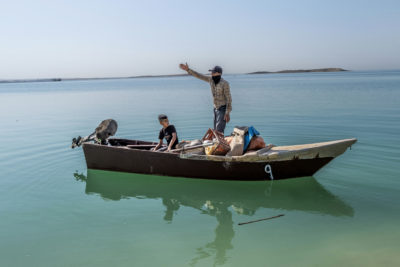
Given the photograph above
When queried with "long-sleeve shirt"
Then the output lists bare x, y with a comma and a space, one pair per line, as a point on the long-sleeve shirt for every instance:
221, 92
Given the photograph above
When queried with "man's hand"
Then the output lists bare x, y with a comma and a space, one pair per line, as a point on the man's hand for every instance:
184, 66
227, 117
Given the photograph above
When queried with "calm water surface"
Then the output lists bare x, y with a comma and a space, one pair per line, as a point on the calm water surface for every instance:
55, 212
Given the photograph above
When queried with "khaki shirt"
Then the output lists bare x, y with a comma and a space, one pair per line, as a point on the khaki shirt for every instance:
221, 92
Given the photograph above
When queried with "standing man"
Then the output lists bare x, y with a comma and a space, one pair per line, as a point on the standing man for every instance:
221, 95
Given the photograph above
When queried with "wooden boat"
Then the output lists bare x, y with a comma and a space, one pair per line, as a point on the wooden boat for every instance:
279, 162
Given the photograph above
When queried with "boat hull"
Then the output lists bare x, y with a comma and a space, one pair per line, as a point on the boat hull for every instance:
114, 158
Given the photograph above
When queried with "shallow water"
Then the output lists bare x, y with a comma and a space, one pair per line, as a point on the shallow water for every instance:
57, 213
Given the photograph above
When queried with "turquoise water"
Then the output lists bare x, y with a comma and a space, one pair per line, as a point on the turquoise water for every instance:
54, 212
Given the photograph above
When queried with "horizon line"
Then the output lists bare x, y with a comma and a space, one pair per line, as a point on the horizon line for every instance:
286, 71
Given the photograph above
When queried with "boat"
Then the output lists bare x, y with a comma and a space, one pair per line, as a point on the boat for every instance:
270, 163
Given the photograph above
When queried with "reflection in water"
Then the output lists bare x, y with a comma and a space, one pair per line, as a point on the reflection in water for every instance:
224, 234
217, 199
80, 177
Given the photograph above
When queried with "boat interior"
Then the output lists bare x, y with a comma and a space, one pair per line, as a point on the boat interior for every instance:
135, 144
271, 152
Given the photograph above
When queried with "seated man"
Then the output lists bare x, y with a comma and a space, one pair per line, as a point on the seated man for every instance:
168, 132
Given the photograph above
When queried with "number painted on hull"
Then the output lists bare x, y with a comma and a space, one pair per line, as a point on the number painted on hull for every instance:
268, 170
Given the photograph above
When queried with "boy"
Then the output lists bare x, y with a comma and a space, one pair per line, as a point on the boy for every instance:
168, 132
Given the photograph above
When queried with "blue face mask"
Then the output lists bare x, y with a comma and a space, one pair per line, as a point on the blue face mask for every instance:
216, 79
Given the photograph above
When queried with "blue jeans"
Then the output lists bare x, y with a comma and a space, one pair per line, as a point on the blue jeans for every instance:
219, 120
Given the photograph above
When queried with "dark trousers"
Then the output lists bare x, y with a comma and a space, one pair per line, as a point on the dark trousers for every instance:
219, 120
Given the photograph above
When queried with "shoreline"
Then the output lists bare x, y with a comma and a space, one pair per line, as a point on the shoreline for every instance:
87, 79
300, 71
165, 76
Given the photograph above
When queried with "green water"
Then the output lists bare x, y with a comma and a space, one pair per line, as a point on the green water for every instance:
55, 212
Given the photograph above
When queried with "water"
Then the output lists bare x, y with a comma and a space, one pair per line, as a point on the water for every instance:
54, 212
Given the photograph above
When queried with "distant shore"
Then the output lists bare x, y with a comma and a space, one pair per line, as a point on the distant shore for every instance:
162, 76
84, 79
299, 71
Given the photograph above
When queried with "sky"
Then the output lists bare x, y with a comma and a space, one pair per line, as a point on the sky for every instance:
70, 39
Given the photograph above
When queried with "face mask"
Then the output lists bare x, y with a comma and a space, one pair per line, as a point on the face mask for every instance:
216, 79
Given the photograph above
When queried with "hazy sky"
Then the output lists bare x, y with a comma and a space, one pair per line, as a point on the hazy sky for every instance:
124, 38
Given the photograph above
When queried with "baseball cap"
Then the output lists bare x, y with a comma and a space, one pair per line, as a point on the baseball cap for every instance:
216, 69
162, 117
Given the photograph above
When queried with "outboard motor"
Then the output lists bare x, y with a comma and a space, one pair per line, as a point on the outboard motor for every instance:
105, 129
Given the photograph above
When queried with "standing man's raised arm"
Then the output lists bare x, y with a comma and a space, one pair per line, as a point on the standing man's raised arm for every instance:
195, 73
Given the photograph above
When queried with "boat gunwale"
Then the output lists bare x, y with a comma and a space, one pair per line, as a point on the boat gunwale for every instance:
243, 158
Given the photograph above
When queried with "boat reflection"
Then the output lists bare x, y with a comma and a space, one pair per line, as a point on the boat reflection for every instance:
217, 199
